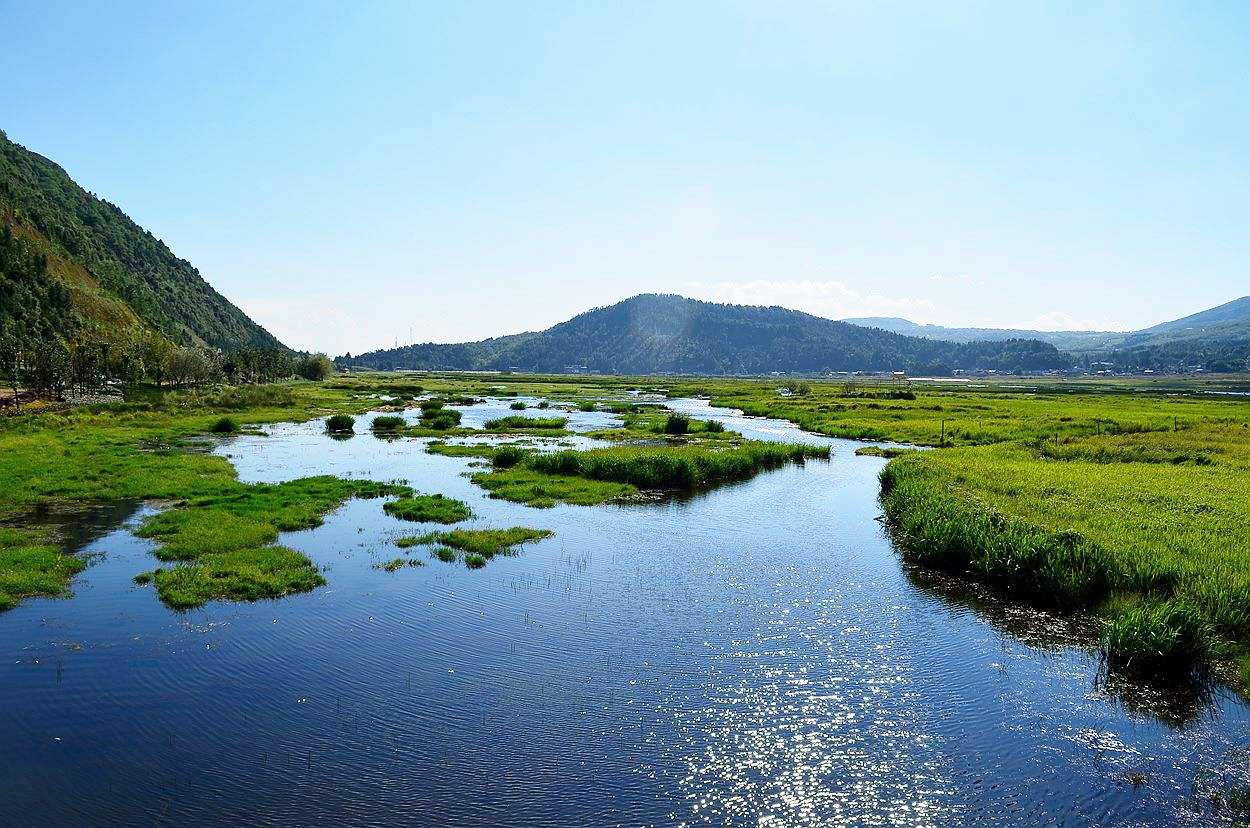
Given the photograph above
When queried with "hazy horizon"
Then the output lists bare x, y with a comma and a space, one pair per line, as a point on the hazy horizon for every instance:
353, 177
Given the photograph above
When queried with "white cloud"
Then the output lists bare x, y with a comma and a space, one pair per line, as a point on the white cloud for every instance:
822, 297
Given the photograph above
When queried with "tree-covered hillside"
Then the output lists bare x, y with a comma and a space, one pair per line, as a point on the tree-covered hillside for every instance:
112, 271
672, 334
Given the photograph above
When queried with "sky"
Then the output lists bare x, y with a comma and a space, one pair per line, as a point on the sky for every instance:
356, 175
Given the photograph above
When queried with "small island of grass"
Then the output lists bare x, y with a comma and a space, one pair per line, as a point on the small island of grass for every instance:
428, 509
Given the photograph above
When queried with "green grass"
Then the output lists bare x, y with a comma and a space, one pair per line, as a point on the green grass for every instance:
28, 569
882, 451
517, 422
428, 509
481, 450
439, 419
518, 406
524, 485
341, 424
1158, 547
387, 423
679, 467
238, 575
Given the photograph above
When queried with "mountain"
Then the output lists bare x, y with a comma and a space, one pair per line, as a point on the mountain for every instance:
70, 261
1217, 339
652, 333
1064, 340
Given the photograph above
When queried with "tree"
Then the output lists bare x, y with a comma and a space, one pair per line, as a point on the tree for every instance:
315, 367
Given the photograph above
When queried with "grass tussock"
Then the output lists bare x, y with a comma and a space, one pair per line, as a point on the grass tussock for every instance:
224, 425
882, 451
387, 423
341, 424
399, 563
428, 509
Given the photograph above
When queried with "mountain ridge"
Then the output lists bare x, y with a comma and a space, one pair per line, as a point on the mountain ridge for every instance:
119, 279
665, 333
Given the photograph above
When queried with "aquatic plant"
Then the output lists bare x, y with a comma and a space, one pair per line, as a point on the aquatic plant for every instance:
440, 419
387, 422
484, 543
518, 406
517, 422
507, 456
341, 424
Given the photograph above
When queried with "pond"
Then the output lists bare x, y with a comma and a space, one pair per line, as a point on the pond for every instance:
755, 655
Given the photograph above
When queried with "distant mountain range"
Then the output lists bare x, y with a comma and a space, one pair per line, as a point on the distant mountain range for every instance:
652, 333
1214, 339
72, 262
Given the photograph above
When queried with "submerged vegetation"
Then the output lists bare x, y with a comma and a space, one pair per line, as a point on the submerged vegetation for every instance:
476, 545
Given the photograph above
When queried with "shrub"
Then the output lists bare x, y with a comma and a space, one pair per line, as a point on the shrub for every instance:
226, 425
714, 427
314, 367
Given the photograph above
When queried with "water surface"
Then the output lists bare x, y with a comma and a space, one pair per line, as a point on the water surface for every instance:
756, 655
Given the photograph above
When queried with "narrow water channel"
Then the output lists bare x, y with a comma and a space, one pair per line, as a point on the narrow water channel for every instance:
756, 655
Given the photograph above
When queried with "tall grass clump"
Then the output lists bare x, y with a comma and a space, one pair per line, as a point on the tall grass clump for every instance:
714, 427
341, 424
225, 425
506, 456
518, 405
387, 422
517, 422
439, 419
684, 467
677, 424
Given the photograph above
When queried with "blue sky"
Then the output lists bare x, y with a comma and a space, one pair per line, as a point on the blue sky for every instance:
356, 174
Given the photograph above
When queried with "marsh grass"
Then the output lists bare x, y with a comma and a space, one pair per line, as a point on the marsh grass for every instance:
399, 563
28, 569
521, 423
428, 509
387, 423
460, 450
238, 575
518, 405
341, 424
440, 419
1156, 547
883, 451
224, 425
225, 537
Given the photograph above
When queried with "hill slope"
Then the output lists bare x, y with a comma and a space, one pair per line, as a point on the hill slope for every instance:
671, 334
99, 269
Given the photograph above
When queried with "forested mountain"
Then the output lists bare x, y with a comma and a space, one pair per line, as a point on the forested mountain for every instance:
671, 334
71, 262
